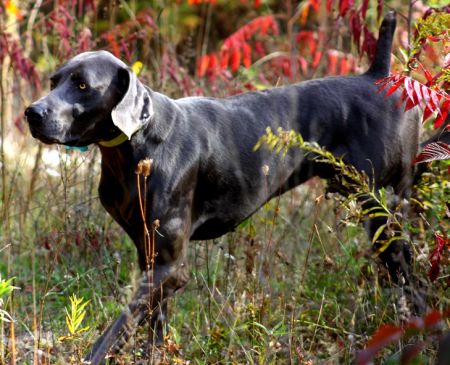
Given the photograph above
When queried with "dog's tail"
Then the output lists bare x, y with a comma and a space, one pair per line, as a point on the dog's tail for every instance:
381, 64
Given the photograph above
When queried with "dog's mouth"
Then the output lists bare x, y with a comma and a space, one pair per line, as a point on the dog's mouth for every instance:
44, 138
48, 139
52, 140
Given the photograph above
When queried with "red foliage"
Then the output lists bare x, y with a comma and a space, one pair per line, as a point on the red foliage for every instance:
358, 28
433, 152
20, 63
441, 242
197, 2
387, 334
256, 3
384, 336
344, 6
62, 22
236, 50
121, 38
443, 38
369, 43
414, 93
84, 40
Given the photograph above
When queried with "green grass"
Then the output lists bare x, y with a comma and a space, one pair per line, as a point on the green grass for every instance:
296, 283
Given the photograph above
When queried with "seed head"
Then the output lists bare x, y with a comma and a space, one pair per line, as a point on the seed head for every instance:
144, 167
155, 224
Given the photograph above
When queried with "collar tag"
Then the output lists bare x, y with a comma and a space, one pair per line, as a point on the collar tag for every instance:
82, 148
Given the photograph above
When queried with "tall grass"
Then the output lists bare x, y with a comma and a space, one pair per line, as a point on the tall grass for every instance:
294, 284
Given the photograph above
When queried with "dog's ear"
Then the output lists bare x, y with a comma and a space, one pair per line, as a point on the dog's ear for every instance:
136, 108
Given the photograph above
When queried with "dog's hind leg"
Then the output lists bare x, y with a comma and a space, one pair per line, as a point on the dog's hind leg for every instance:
396, 256
394, 249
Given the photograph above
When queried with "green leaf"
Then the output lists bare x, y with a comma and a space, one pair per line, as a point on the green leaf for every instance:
378, 232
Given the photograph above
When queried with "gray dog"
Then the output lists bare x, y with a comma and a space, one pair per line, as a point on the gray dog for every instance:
205, 178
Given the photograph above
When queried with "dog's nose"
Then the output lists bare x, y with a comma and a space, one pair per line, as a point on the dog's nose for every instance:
36, 113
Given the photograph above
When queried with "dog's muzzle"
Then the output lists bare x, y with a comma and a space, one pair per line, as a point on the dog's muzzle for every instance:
35, 115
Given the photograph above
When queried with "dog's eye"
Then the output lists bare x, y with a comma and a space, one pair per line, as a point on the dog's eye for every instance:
52, 84
82, 86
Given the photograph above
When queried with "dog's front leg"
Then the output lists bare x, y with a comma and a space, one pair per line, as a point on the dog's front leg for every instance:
148, 293
155, 285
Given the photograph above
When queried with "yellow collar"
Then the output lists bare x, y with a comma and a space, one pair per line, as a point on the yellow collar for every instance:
122, 137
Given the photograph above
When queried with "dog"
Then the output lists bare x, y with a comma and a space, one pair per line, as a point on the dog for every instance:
205, 178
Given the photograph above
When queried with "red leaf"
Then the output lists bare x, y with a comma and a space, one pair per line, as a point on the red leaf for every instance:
433, 151
409, 88
410, 352
432, 318
307, 41
417, 91
329, 5
427, 113
426, 95
344, 6
394, 88
364, 7
343, 66
414, 324
433, 273
235, 59
332, 58
385, 335
369, 43
427, 73
304, 15
236, 49
224, 58
202, 66
113, 44
382, 86
303, 64
356, 28
430, 107
286, 65
434, 38
316, 59
444, 112
435, 97
409, 104
315, 4
379, 9
247, 55
213, 65
84, 40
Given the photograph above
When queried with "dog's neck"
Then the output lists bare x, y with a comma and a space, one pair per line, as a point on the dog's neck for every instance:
146, 140
161, 123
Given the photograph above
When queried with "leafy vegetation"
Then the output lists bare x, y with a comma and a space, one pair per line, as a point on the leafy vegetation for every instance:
296, 283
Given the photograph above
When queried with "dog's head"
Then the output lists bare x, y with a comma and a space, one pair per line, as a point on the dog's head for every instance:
94, 97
